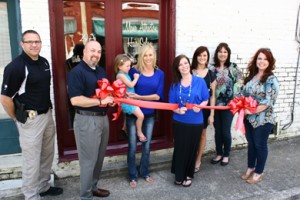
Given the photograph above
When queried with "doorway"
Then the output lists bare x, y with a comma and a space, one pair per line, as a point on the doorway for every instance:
120, 27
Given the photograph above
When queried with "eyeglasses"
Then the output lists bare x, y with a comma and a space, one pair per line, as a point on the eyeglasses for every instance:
32, 42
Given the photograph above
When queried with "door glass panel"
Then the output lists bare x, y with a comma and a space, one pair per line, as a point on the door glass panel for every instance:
5, 49
140, 25
81, 23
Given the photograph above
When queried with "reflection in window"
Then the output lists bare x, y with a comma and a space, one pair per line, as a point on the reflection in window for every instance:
140, 25
5, 48
79, 27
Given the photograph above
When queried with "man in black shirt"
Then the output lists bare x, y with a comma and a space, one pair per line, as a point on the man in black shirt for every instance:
91, 125
26, 89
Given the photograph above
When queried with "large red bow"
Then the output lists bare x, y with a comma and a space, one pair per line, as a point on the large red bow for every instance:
239, 104
117, 89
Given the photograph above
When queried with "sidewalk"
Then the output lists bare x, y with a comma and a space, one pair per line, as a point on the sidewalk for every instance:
281, 180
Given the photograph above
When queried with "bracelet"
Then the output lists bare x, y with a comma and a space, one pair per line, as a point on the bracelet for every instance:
99, 101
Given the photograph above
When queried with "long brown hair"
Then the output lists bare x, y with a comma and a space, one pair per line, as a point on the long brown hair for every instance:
175, 68
252, 69
197, 52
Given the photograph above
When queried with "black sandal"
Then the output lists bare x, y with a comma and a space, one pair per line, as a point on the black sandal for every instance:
184, 184
178, 182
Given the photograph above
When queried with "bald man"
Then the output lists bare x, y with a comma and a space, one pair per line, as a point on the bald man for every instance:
91, 125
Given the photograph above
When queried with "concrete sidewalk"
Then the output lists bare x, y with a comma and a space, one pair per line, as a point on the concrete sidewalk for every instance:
281, 180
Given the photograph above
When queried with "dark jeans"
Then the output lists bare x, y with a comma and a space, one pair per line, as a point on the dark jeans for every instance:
222, 124
147, 129
257, 145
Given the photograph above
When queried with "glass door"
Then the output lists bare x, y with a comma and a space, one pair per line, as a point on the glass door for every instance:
120, 27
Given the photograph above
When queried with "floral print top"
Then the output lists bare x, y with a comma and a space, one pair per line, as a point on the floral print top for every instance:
229, 82
264, 94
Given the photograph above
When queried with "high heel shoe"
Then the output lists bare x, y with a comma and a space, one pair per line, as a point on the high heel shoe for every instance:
251, 180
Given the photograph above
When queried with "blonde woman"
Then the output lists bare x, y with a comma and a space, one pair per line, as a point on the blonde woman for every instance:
149, 87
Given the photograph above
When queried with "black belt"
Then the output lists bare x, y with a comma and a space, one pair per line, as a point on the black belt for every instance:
91, 113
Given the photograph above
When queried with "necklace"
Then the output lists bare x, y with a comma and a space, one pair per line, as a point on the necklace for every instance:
188, 96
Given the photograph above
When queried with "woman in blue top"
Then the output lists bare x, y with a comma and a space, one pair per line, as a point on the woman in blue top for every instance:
187, 124
263, 86
149, 87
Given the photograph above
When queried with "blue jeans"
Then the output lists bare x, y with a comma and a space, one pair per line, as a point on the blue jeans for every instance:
222, 124
147, 129
257, 145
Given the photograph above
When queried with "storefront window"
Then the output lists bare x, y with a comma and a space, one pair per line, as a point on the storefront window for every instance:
80, 25
140, 25
5, 48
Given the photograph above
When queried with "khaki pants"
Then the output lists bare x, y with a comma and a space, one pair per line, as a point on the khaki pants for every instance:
91, 133
37, 144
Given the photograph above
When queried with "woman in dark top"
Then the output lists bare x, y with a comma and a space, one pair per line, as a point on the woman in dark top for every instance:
199, 68
228, 77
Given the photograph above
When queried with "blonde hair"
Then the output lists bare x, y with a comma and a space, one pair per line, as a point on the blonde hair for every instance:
140, 66
119, 61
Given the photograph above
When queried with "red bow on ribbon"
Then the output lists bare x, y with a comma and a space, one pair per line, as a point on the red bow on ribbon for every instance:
117, 89
239, 104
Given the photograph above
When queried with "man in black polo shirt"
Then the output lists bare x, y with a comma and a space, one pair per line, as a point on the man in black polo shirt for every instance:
27, 80
91, 125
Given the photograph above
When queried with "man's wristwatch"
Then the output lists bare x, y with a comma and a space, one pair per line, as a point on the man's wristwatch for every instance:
99, 101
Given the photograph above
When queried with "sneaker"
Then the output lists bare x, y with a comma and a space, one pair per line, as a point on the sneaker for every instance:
52, 191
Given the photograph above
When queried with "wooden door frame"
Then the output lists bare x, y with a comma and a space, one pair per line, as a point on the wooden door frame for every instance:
167, 54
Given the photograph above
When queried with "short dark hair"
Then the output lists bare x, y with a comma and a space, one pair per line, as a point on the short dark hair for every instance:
29, 31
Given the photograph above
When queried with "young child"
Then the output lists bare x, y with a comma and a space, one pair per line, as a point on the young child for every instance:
122, 67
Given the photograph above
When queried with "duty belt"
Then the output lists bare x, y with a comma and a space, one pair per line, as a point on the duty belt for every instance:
33, 113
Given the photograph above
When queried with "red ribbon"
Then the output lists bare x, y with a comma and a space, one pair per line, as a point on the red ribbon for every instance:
238, 104
118, 91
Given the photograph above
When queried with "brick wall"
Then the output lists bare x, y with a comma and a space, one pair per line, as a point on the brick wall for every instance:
246, 26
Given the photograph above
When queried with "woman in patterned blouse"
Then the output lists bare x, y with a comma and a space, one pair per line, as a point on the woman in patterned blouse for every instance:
228, 77
263, 86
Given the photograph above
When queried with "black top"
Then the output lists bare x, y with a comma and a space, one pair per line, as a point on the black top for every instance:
82, 81
29, 81
209, 78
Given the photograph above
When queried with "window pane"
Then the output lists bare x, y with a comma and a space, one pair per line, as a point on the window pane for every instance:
82, 21
5, 49
140, 25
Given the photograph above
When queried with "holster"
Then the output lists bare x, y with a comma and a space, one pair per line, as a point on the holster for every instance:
21, 113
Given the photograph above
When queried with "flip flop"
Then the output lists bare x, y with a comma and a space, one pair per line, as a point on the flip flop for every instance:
148, 179
178, 182
197, 169
133, 184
